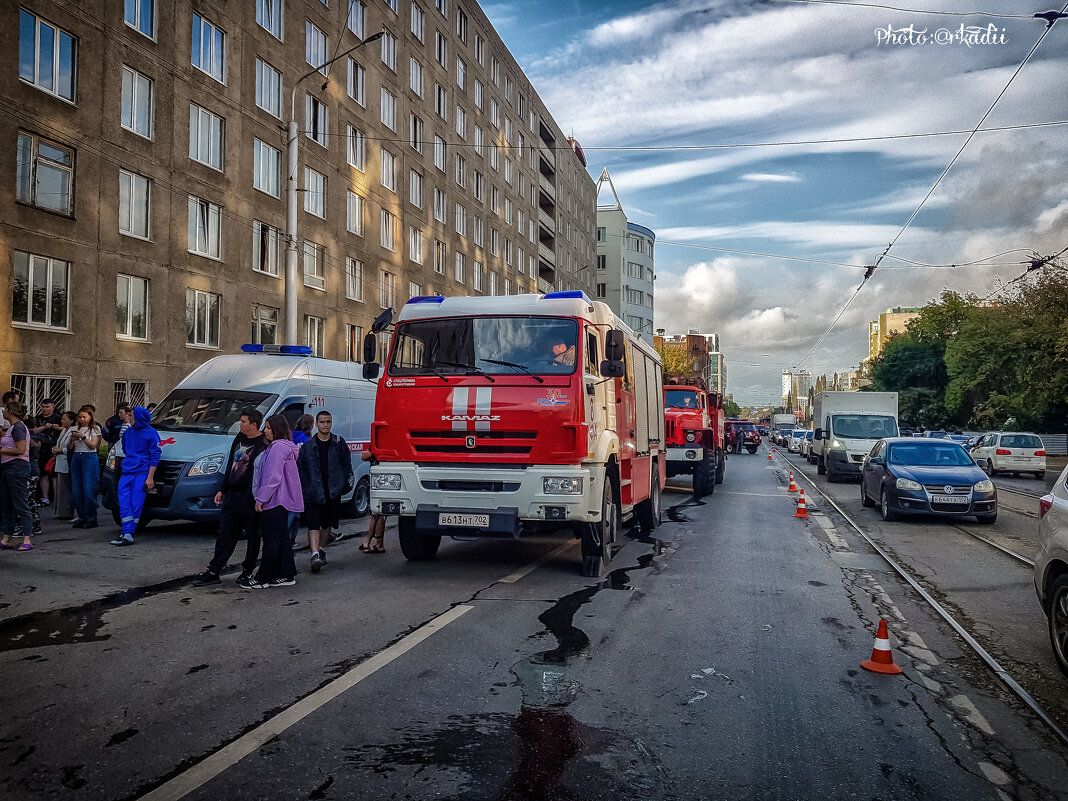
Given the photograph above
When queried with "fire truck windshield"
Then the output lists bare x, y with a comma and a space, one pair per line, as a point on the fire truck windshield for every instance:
498, 345
680, 399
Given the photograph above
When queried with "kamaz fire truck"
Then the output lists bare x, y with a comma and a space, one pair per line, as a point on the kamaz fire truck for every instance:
505, 416
694, 430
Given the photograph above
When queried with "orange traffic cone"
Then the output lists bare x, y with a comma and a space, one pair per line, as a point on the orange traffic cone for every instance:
802, 508
882, 660
793, 486
770, 453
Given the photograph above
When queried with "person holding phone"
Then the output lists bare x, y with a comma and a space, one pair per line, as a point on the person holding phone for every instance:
85, 467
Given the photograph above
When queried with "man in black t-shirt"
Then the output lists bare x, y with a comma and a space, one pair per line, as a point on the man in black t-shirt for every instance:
46, 425
238, 514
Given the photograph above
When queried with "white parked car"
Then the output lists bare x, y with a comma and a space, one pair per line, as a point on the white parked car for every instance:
793, 445
806, 447
1011, 452
1051, 566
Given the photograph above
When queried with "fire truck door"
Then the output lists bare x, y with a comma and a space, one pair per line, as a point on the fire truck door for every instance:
600, 406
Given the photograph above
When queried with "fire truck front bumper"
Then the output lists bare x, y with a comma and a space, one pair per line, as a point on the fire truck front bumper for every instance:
685, 454
489, 501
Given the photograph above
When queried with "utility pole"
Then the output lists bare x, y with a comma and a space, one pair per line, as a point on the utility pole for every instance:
291, 332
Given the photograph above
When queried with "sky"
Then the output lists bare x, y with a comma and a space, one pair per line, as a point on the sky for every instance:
674, 78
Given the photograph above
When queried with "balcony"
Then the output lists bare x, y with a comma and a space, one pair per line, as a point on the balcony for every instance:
548, 156
544, 287
547, 221
547, 187
547, 255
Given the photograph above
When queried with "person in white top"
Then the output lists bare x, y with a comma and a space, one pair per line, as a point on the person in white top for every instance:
85, 467
64, 499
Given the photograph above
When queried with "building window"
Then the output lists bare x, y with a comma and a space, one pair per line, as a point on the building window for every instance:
315, 334
204, 221
480, 50
478, 232
387, 289
354, 213
314, 265
264, 325
265, 168
265, 248
441, 49
458, 272
495, 113
356, 83
441, 100
314, 192
495, 71
495, 200
202, 316
47, 56
315, 119
268, 16
45, 174
602, 263
39, 291
134, 204
133, 392
480, 142
480, 187
461, 122
602, 236
209, 49
415, 77
443, 7
136, 103
205, 137
139, 15
268, 88
416, 133
476, 276
387, 230
315, 47
389, 51
357, 17
492, 283
495, 242
461, 171
355, 342
461, 220
417, 21
439, 152
131, 307
415, 189
354, 279
602, 290
440, 214
415, 244
392, 5
389, 110
461, 25
441, 253
357, 149
389, 171
461, 74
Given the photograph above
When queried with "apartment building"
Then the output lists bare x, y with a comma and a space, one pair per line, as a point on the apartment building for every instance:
625, 274
893, 321
143, 165
700, 353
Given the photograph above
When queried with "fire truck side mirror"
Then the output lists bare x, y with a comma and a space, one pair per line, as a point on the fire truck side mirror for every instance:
611, 369
370, 370
613, 346
370, 349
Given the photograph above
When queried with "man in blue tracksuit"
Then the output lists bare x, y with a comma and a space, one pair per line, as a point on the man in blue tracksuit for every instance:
140, 445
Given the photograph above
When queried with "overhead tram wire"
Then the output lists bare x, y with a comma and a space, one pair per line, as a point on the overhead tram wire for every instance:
871, 270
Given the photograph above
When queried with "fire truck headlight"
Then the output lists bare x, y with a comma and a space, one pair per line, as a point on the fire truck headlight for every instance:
559, 485
385, 481
691, 436
207, 465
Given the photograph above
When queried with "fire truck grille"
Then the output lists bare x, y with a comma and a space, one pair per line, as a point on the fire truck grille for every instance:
461, 485
669, 429
513, 450
486, 442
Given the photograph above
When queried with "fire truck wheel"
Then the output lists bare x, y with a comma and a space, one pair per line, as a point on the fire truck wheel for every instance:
597, 537
648, 511
721, 469
705, 473
416, 546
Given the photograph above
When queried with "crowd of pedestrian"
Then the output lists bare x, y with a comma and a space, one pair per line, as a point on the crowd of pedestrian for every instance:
273, 479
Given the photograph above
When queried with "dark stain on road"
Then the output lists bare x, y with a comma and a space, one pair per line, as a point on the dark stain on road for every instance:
71, 780
320, 792
24, 755
75, 624
196, 669
120, 737
817, 584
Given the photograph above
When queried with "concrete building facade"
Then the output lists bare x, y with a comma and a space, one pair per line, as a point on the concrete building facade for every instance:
143, 176
892, 321
625, 274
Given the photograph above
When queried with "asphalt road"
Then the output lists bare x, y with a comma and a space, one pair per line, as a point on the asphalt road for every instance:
719, 659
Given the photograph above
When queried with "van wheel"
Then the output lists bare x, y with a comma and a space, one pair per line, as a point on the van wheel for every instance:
415, 545
360, 502
1058, 621
648, 511
597, 537
821, 466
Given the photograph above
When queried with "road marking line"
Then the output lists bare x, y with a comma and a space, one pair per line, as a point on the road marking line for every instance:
971, 714
512, 578
753, 494
206, 770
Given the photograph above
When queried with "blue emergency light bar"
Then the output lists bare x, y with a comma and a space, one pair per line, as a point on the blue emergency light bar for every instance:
573, 294
285, 350
426, 299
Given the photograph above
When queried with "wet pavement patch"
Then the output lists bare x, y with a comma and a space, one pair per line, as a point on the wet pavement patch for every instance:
196, 669
75, 624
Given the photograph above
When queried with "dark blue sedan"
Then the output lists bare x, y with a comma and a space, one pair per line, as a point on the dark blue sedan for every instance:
907, 475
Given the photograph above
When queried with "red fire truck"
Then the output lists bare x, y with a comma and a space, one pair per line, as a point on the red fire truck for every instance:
694, 425
502, 416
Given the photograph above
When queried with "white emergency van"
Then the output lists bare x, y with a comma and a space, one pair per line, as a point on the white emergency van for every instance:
199, 418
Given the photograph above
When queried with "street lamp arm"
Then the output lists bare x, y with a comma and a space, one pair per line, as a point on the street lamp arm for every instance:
293, 95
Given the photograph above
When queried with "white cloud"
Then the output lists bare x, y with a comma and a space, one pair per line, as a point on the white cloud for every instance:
773, 178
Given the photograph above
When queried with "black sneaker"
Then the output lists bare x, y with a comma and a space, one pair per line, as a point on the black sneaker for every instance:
249, 583
283, 582
121, 541
336, 536
317, 562
205, 578
245, 576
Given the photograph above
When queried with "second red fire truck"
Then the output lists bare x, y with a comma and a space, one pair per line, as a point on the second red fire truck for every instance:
694, 429
503, 416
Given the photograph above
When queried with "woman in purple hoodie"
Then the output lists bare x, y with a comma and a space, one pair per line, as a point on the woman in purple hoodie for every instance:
276, 488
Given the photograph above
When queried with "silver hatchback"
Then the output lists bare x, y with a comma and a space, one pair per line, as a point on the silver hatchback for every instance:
1051, 566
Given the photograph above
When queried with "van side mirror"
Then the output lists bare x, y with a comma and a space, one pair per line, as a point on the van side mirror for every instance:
818, 434
370, 370
613, 346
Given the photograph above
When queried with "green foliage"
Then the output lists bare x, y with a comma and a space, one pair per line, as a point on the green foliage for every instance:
966, 364
676, 362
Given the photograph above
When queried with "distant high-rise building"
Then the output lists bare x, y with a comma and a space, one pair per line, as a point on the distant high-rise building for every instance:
787, 396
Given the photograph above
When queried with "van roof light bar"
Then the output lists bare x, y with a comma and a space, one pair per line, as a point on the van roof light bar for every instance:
426, 299
573, 294
285, 350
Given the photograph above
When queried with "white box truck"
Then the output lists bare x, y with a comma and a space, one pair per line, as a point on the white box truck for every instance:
847, 426
781, 426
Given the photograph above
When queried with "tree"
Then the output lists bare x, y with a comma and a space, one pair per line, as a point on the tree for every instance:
676, 363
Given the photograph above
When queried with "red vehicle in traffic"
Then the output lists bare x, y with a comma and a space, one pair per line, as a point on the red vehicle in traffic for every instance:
693, 424
742, 434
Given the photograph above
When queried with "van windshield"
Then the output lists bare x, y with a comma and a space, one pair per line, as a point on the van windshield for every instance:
207, 411
864, 426
463, 345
